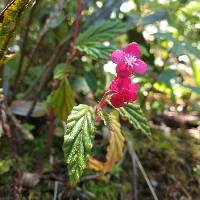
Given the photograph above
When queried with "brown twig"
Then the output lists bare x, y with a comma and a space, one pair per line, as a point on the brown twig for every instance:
1, 78
41, 36
75, 33
46, 74
3, 118
23, 48
17, 185
8, 127
51, 65
51, 129
62, 46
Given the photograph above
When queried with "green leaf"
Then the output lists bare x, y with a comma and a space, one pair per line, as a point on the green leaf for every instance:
165, 77
178, 49
106, 118
57, 20
91, 80
152, 18
61, 100
164, 36
135, 116
193, 88
5, 166
78, 140
191, 49
181, 48
61, 70
92, 40
196, 73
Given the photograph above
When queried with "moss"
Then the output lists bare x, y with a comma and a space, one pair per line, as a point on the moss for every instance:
9, 21
103, 190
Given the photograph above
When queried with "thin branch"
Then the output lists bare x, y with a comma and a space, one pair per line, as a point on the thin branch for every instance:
58, 8
101, 16
46, 73
23, 48
134, 158
75, 34
55, 190
1, 79
50, 68
51, 129
135, 174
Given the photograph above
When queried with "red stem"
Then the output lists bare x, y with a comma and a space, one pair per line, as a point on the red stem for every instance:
75, 33
102, 103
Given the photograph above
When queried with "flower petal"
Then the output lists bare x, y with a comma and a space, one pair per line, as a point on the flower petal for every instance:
114, 84
133, 97
120, 83
134, 87
123, 70
130, 94
140, 67
117, 100
117, 56
126, 94
125, 82
133, 49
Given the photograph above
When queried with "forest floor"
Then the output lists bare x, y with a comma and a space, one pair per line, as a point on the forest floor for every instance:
171, 161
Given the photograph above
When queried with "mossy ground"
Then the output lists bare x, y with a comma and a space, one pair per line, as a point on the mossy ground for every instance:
171, 162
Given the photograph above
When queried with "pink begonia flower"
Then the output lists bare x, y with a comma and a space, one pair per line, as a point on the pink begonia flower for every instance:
123, 91
128, 60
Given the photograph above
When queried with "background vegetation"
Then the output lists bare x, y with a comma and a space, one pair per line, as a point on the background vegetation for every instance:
47, 67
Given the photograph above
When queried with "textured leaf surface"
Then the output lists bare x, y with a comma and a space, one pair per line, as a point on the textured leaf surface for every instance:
135, 116
92, 40
114, 149
106, 118
9, 19
61, 100
78, 140
116, 143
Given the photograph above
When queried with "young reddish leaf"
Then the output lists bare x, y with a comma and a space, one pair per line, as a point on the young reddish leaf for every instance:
95, 164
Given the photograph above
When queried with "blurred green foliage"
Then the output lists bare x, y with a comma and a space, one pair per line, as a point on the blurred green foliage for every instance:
168, 33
